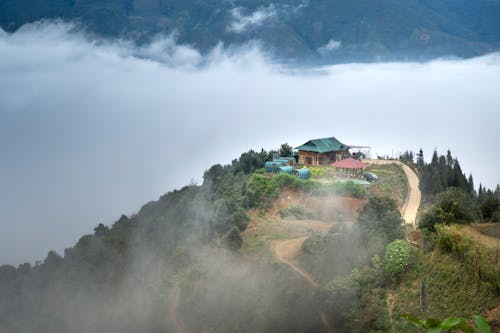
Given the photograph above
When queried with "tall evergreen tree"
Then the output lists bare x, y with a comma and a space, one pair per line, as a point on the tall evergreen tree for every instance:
443, 171
420, 159
470, 185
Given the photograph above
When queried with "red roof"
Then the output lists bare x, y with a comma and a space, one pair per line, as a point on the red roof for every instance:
349, 163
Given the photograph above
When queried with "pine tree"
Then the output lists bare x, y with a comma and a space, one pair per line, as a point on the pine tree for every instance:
443, 171
460, 179
450, 164
480, 192
420, 159
470, 185
435, 159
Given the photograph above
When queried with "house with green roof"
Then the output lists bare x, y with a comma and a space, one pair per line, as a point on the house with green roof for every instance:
322, 151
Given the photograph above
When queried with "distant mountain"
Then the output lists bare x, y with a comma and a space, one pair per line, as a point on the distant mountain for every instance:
315, 30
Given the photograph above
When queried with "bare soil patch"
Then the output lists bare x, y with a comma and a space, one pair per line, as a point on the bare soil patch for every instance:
329, 208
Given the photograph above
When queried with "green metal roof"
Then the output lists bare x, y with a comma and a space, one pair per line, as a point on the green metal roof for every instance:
323, 145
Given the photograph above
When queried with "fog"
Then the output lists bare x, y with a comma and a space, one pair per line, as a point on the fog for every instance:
90, 130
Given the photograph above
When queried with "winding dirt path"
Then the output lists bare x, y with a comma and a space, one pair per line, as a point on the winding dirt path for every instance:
287, 252
412, 203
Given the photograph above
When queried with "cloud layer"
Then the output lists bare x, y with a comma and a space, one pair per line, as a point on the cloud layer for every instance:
90, 130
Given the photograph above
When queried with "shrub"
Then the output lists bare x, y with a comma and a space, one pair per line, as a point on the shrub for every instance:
452, 206
381, 216
232, 239
397, 258
299, 212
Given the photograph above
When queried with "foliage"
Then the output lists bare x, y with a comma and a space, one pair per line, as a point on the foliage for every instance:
261, 189
442, 283
397, 258
452, 206
299, 212
317, 172
380, 216
392, 182
479, 259
442, 173
453, 323
232, 239
127, 252
286, 150
489, 203
356, 302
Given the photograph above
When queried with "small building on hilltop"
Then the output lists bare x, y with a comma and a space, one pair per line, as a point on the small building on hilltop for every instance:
322, 151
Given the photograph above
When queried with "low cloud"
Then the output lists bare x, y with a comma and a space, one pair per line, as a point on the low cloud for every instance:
90, 130
242, 22
332, 45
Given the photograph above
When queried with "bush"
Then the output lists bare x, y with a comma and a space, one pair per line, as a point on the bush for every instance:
299, 212
381, 216
397, 258
452, 206
232, 239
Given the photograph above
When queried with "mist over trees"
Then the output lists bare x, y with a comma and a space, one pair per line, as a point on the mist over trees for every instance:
127, 277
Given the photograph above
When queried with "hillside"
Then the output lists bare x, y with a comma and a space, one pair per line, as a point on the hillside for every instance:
251, 251
309, 31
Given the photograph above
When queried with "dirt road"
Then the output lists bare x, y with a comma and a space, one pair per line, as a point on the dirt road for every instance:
287, 252
412, 203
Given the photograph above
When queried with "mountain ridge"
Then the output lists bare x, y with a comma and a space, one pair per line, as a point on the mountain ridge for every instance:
313, 31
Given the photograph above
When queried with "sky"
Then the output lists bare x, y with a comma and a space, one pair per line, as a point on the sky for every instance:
92, 130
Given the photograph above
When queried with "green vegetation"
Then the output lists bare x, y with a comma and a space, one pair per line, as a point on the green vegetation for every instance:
451, 195
450, 324
441, 285
478, 259
261, 189
489, 203
397, 258
453, 206
298, 212
348, 262
189, 241
392, 182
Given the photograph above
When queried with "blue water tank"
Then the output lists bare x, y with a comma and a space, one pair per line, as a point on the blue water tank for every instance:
272, 167
286, 169
304, 173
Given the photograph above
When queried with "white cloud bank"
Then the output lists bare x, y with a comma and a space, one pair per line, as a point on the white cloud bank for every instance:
92, 130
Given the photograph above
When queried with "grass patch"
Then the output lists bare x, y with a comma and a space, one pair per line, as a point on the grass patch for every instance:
392, 182
460, 278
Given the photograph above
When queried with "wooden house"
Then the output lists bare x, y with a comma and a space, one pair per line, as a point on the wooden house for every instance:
322, 151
